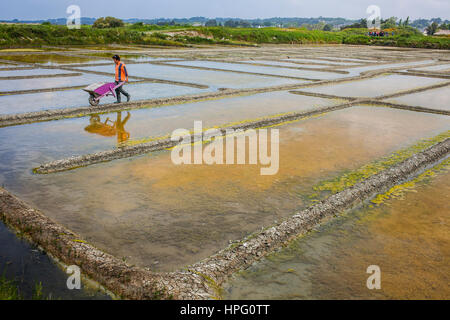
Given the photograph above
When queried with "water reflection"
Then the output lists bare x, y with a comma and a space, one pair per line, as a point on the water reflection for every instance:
408, 237
110, 128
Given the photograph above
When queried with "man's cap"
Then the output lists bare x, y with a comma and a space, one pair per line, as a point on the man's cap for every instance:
116, 57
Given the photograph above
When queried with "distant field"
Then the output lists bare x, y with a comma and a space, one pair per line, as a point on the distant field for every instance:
15, 35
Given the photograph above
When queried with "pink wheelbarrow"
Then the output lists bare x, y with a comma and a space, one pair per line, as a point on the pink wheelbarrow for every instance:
99, 90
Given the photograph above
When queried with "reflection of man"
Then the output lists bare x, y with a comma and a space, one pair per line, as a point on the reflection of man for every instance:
109, 128
121, 76
122, 134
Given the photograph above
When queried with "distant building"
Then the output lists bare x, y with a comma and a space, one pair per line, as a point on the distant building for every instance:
442, 33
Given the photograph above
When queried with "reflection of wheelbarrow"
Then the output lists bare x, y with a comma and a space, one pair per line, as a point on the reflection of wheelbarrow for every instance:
99, 90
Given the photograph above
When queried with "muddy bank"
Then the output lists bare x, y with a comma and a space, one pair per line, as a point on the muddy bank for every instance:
202, 280
406, 107
130, 151
48, 115
242, 255
39, 76
30, 117
124, 280
407, 234
425, 74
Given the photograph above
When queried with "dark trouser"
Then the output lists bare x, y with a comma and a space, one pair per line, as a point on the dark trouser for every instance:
119, 91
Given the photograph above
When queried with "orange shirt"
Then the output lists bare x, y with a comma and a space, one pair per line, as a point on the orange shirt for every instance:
121, 72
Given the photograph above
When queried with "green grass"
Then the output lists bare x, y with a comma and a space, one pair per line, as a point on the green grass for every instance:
20, 35
38, 35
10, 291
272, 35
352, 177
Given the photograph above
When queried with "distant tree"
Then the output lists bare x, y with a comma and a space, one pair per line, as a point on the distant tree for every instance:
432, 28
108, 22
328, 27
420, 23
317, 26
230, 24
358, 25
444, 26
46, 23
363, 23
437, 20
245, 24
211, 23
406, 22
137, 25
389, 23
267, 23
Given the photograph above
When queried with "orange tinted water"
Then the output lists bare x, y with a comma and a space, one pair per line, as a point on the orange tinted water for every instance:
149, 210
407, 237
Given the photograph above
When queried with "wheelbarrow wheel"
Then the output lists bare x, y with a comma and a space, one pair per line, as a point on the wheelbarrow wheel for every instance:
92, 101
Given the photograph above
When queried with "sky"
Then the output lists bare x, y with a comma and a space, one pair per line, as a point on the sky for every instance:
246, 9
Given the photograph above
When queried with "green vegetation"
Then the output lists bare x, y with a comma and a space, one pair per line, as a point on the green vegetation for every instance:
271, 35
108, 22
14, 35
350, 178
432, 28
10, 291
403, 37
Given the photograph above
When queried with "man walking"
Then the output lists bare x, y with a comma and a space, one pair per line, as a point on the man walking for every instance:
121, 76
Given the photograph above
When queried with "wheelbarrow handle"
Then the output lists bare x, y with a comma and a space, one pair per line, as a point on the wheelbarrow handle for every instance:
119, 85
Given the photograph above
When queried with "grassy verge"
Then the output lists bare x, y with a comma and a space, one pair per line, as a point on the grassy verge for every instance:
15, 35
10, 291
37, 35
350, 178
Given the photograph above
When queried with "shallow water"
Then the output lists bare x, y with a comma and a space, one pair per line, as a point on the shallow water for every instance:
134, 57
375, 87
27, 266
336, 63
164, 216
407, 237
10, 104
439, 68
46, 83
51, 59
359, 61
106, 48
377, 66
77, 136
31, 72
285, 64
261, 69
214, 79
436, 99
